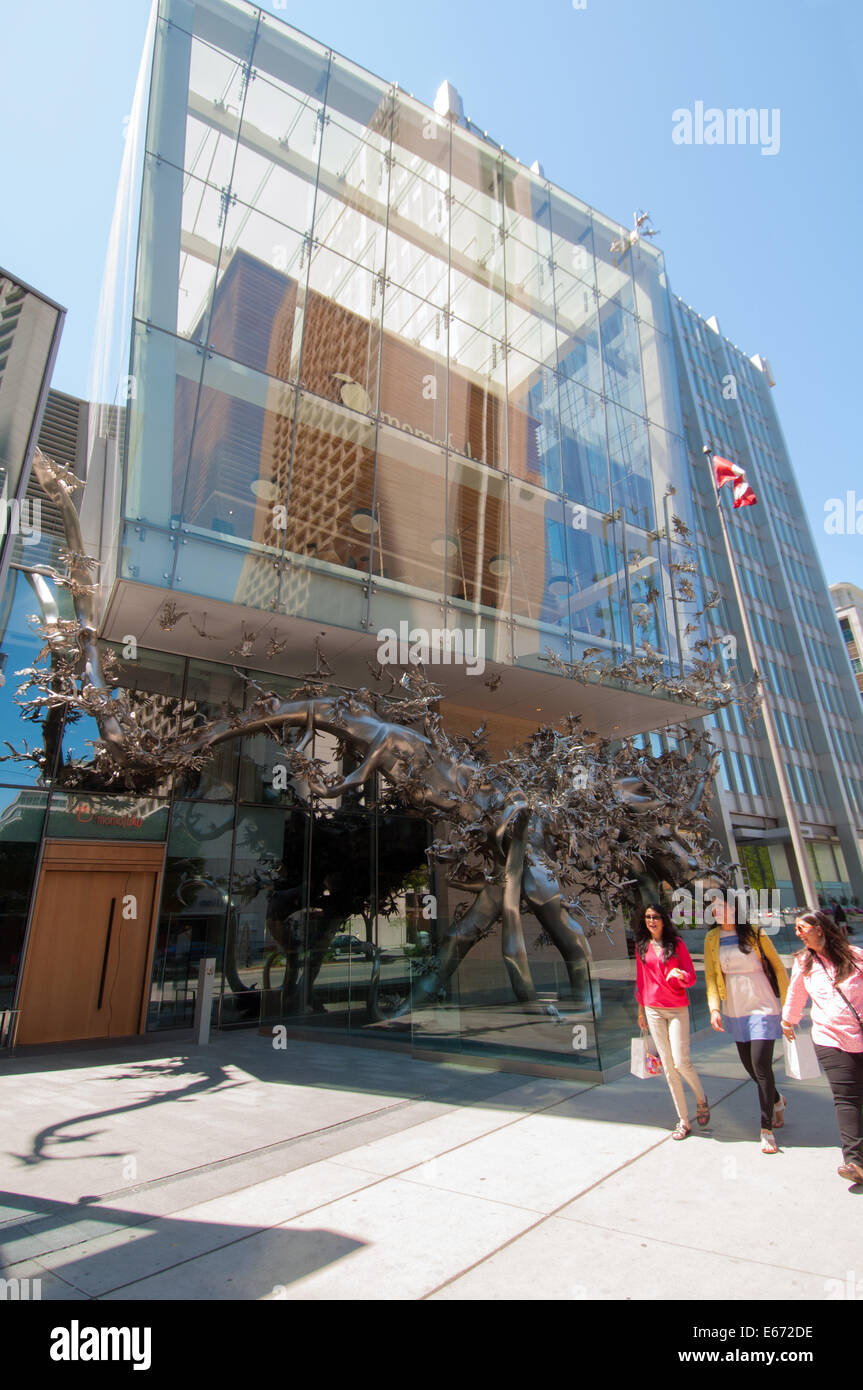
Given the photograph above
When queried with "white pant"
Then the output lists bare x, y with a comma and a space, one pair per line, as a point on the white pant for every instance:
669, 1029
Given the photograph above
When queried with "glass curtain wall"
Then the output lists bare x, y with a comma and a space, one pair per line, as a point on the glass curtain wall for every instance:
371, 344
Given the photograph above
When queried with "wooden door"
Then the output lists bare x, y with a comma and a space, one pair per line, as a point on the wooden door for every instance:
85, 972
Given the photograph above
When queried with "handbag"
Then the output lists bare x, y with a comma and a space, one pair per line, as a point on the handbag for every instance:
767, 967
642, 1062
801, 1061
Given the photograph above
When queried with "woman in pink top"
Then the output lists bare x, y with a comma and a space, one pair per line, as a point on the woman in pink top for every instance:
828, 972
664, 972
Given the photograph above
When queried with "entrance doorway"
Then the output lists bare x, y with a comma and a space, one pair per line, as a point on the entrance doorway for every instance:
85, 972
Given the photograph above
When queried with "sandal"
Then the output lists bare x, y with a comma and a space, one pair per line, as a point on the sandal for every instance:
851, 1172
681, 1130
768, 1143
702, 1113
779, 1113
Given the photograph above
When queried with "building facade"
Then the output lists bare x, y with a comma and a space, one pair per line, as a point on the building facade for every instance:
358, 368
798, 648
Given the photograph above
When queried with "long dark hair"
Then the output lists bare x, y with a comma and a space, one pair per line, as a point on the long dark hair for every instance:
670, 935
836, 948
746, 933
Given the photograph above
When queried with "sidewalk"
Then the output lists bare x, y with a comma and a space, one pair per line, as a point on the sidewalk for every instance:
238, 1171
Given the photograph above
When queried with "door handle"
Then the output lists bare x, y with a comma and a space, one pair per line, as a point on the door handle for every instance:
107, 950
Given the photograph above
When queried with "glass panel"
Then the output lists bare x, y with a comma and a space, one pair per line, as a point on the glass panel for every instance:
419, 218
413, 366
22, 815
352, 198
256, 318
477, 236
212, 691
540, 458
479, 565
620, 357
277, 159
477, 270
530, 314
193, 912
572, 240
239, 456
208, 83
289, 59
477, 391
19, 647
405, 919
148, 554
406, 530
583, 445
648, 587
261, 756
161, 412
598, 594
264, 929
540, 575
613, 273
660, 379
342, 332
331, 491
532, 421
578, 351
631, 483
651, 289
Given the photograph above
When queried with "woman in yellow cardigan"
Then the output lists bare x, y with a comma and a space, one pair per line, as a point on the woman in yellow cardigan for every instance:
747, 984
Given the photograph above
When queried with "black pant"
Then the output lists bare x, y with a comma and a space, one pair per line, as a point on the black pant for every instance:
844, 1071
757, 1058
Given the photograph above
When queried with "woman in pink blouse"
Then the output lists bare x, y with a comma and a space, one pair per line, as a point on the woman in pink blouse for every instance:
828, 972
664, 972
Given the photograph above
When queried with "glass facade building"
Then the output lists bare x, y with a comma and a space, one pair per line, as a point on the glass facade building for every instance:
798, 646
359, 367
376, 363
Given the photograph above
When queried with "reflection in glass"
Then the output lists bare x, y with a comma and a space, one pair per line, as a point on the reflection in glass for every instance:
583, 445
22, 814
477, 531
211, 691
408, 512
194, 909
629, 453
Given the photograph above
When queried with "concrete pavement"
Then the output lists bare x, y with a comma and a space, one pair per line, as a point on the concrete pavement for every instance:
239, 1171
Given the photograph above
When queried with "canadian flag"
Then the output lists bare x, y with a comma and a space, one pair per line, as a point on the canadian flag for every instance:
728, 472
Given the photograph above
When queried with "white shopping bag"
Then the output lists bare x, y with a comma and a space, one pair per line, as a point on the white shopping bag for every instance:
801, 1062
642, 1062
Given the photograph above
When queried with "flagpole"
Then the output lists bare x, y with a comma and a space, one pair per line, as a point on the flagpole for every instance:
788, 806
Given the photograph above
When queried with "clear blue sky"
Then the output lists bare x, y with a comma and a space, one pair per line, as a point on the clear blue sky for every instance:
770, 244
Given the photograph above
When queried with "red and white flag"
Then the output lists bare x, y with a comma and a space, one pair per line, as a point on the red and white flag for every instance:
727, 472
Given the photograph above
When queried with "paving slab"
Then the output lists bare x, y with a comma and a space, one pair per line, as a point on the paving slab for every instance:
565, 1260
400, 1240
